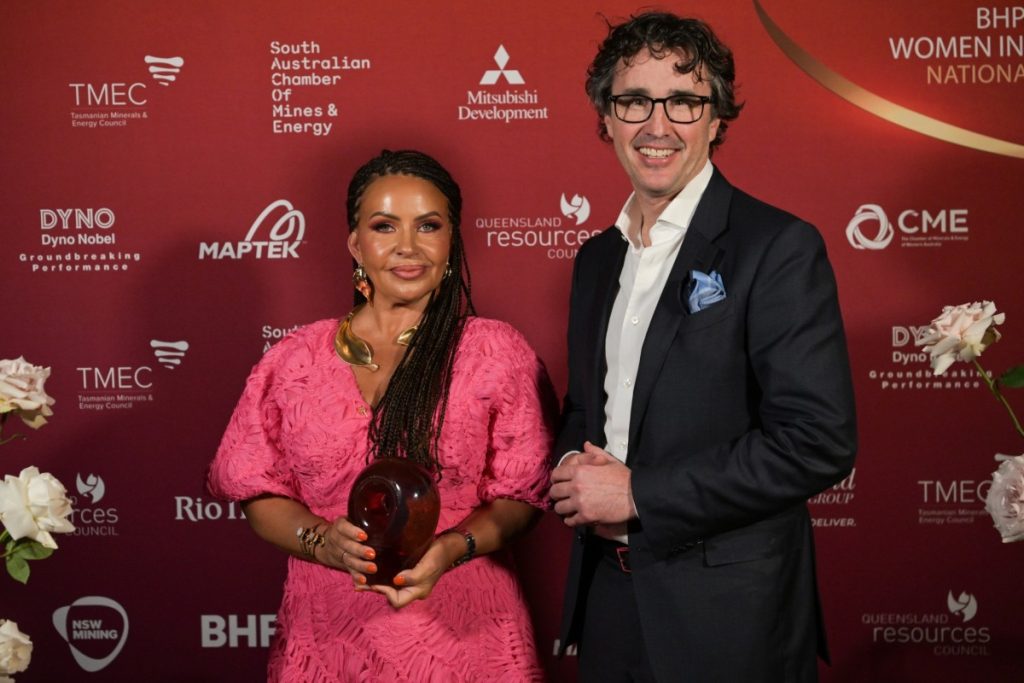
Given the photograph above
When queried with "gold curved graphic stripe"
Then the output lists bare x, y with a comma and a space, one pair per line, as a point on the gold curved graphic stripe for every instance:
879, 106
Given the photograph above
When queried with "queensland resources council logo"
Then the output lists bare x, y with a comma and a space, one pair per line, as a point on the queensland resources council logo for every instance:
237, 630
831, 506
275, 234
554, 236
90, 517
908, 367
111, 104
78, 240
870, 228
949, 632
502, 94
949, 503
95, 629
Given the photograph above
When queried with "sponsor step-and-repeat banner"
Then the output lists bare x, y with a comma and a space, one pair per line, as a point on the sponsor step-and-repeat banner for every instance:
173, 206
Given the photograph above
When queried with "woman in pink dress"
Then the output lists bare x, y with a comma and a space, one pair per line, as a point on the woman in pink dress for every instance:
410, 373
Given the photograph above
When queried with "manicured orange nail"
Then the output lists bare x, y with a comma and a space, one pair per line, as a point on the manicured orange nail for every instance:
362, 536
361, 580
399, 580
370, 554
371, 568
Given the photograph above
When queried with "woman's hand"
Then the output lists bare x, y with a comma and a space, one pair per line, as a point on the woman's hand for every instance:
343, 549
417, 583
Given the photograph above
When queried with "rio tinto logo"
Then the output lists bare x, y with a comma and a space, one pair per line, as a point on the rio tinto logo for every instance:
283, 236
872, 230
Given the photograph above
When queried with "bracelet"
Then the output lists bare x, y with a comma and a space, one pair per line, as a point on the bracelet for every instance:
470, 544
310, 539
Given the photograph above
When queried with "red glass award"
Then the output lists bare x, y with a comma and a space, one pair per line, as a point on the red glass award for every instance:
396, 502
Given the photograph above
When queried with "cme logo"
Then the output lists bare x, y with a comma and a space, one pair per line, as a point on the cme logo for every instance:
577, 208
93, 624
871, 229
965, 605
511, 76
282, 228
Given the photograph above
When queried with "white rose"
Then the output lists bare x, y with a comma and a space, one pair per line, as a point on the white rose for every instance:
15, 648
1005, 499
961, 333
21, 390
34, 505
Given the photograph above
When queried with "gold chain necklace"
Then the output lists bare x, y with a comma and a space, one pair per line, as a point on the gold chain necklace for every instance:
357, 351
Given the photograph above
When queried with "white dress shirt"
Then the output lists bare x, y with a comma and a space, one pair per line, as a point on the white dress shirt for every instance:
641, 281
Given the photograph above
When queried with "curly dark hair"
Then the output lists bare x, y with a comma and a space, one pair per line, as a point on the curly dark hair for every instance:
407, 421
662, 33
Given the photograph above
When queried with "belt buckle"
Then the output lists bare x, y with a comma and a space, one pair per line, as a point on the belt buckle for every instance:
623, 556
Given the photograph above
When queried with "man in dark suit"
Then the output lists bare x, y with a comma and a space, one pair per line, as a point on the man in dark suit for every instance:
709, 392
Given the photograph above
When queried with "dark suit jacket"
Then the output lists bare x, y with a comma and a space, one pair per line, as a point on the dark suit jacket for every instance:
740, 413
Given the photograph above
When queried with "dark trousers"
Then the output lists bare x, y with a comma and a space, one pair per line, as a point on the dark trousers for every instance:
612, 645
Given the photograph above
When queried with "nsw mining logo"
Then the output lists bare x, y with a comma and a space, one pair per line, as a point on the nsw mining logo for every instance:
275, 234
95, 628
502, 95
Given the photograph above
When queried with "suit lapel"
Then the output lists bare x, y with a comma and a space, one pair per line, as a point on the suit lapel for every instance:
698, 252
604, 298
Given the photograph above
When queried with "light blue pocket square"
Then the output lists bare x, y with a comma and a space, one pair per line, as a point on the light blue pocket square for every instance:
706, 289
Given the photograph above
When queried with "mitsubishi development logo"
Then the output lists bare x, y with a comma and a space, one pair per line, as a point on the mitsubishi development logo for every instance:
965, 605
869, 213
169, 353
512, 76
164, 69
578, 208
92, 487
96, 624
283, 236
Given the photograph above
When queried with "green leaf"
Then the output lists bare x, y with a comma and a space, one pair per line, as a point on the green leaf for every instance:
17, 567
1013, 378
33, 550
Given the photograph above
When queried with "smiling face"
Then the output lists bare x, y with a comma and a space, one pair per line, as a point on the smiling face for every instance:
659, 156
402, 239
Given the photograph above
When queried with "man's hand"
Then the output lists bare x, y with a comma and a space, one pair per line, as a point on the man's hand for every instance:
592, 488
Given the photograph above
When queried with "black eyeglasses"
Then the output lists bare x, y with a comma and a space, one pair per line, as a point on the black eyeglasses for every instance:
678, 108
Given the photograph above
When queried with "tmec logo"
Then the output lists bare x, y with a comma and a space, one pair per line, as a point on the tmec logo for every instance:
95, 624
965, 605
92, 95
578, 207
871, 229
283, 237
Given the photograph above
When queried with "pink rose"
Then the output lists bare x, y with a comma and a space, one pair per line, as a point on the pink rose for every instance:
21, 391
961, 333
1005, 500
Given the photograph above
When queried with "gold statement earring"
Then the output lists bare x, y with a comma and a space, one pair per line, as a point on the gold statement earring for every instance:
447, 271
361, 282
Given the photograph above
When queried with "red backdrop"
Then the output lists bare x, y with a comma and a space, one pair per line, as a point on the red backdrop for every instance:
173, 203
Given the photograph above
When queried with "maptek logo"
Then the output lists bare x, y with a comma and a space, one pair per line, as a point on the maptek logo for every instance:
917, 228
577, 207
283, 237
97, 624
512, 76
92, 487
169, 354
164, 69
965, 605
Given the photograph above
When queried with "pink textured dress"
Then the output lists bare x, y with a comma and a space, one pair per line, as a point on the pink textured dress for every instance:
300, 430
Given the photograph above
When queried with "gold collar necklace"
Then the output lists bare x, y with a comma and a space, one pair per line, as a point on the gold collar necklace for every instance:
357, 351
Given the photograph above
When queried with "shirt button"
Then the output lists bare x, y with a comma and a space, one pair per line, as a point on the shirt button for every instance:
635, 320
622, 444
628, 382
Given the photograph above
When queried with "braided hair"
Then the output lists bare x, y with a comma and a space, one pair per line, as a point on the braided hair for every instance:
408, 419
